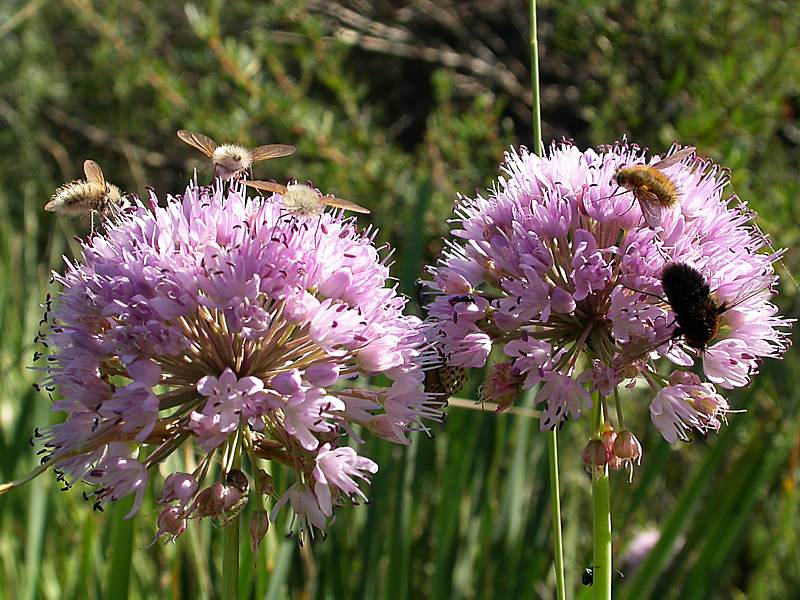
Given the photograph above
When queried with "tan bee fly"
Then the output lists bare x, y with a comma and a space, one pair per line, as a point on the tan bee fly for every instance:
303, 200
232, 160
94, 195
653, 190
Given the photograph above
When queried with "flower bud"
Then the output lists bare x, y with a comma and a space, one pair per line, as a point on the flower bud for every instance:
211, 501
627, 447
502, 385
679, 377
171, 521
608, 438
259, 524
594, 454
180, 487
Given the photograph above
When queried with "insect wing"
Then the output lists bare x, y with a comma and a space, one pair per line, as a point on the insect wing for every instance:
640, 349
199, 141
94, 174
345, 204
674, 159
651, 207
266, 186
651, 210
272, 151
758, 284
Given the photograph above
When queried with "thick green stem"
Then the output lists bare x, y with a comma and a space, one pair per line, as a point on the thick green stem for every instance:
601, 519
601, 501
230, 560
555, 499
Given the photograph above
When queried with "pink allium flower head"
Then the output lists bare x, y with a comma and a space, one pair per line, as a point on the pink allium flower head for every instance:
558, 268
230, 325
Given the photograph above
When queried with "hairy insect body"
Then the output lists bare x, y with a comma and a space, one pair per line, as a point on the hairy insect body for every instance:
232, 160
653, 190
689, 296
648, 184
94, 195
303, 200
82, 197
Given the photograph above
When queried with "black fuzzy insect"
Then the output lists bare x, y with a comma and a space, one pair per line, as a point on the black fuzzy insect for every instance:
587, 577
689, 296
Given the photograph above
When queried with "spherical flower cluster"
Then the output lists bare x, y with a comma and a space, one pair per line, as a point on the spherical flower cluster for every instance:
235, 328
559, 270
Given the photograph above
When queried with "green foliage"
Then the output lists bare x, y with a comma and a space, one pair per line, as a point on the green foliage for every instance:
399, 110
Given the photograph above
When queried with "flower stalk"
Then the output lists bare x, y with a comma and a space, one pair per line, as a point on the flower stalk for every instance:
552, 435
536, 109
230, 559
230, 535
601, 519
555, 499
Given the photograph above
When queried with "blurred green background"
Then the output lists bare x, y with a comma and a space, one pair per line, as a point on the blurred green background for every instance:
400, 106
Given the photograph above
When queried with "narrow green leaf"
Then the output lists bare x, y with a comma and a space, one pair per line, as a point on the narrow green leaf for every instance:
120, 549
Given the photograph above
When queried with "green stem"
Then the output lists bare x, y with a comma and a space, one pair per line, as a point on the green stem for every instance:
230, 560
601, 501
601, 523
552, 436
537, 113
555, 499
230, 532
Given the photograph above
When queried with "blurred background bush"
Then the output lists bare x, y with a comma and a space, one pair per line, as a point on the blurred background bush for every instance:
400, 106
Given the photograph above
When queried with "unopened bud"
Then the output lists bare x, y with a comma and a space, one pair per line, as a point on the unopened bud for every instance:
502, 385
232, 499
180, 487
627, 447
609, 437
684, 378
594, 454
211, 501
259, 525
171, 521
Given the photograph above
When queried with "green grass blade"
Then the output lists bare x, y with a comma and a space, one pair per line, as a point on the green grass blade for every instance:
647, 574
120, 550
279, 577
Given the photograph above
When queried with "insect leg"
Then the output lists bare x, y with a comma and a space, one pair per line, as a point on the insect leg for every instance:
643, 292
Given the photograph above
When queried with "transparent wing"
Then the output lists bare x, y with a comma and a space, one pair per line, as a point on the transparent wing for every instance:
267, 186
759, 284
199, 141
345, 204
651, 208
272, 151
674, 159
638, 350
94, 174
